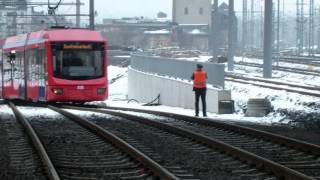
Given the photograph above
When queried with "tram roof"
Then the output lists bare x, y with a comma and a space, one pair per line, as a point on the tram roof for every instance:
67, 35
72, 35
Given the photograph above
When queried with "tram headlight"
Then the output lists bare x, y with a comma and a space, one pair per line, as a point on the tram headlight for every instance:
101, 90
57, 91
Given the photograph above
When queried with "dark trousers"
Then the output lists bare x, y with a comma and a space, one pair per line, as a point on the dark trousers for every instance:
200, 92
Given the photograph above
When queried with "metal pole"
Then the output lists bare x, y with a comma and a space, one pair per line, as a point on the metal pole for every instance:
278, 33
267, 62
174, 9
231, 36
302, 25
311, 27
252, 29
244, 24
78, 14
214, 33
298, 40
91, 15
318, 48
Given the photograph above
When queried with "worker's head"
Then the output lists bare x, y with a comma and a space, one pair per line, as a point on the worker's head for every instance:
199, 66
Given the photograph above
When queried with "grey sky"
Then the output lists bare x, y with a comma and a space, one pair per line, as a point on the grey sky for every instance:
129, 8
149, 8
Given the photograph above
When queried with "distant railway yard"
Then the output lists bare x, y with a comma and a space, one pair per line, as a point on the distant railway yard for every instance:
90, 142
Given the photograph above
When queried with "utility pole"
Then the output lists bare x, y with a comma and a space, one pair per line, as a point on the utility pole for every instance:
91, 15
298, 40
278, 33
300, 26
78, 14
231, 36
244, 24
267, 49
311, 28
252, 29
318, 30
214, 30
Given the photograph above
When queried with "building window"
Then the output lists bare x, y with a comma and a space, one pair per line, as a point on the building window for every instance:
201, 11
186, 11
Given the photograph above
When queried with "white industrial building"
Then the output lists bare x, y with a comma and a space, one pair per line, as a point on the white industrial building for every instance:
192, 12
11, 22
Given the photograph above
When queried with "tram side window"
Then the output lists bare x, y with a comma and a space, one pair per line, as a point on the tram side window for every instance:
1, 64
7, 69
18, 68
32, 64
40, 63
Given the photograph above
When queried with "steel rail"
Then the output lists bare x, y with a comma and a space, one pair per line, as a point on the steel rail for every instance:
282, 68
233, 75
121, 144
274, 87
297, 144
49, 167
252, 159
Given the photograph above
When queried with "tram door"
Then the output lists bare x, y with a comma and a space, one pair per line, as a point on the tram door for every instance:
32, 74
42, 64
19, 74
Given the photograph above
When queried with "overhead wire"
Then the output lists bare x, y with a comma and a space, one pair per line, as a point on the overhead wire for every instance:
52, 9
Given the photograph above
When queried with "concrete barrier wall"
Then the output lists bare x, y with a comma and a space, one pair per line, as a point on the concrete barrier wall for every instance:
177, 68
145, 87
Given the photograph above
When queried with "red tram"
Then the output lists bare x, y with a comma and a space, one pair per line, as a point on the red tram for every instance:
57, 65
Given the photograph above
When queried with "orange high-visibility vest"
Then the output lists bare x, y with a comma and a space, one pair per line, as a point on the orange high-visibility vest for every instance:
199, 79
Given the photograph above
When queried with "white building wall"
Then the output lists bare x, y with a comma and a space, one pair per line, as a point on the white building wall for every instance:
189, 11
145, 87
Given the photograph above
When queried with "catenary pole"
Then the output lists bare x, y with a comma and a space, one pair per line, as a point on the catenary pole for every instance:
214, 39
267, 49
78, 13
244, 24
91, 15
231, 36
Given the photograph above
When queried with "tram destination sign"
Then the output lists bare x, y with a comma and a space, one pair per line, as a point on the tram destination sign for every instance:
77, 46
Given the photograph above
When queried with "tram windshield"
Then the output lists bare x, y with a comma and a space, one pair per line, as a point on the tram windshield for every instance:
78, 61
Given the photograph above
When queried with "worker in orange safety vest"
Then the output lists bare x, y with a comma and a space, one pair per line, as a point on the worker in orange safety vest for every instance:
199, 78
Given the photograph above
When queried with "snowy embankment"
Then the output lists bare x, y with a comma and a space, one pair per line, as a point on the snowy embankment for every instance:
288, 107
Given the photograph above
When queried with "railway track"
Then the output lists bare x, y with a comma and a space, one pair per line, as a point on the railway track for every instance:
277, 85
283, 68
19, 159
314, 61
267, 153
79, 149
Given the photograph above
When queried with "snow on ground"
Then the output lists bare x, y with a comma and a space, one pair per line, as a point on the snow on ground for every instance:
40, 112
240, 94
4, 109
279, 75
117, 82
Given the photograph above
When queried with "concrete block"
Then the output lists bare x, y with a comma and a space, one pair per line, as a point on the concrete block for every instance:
144, 87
